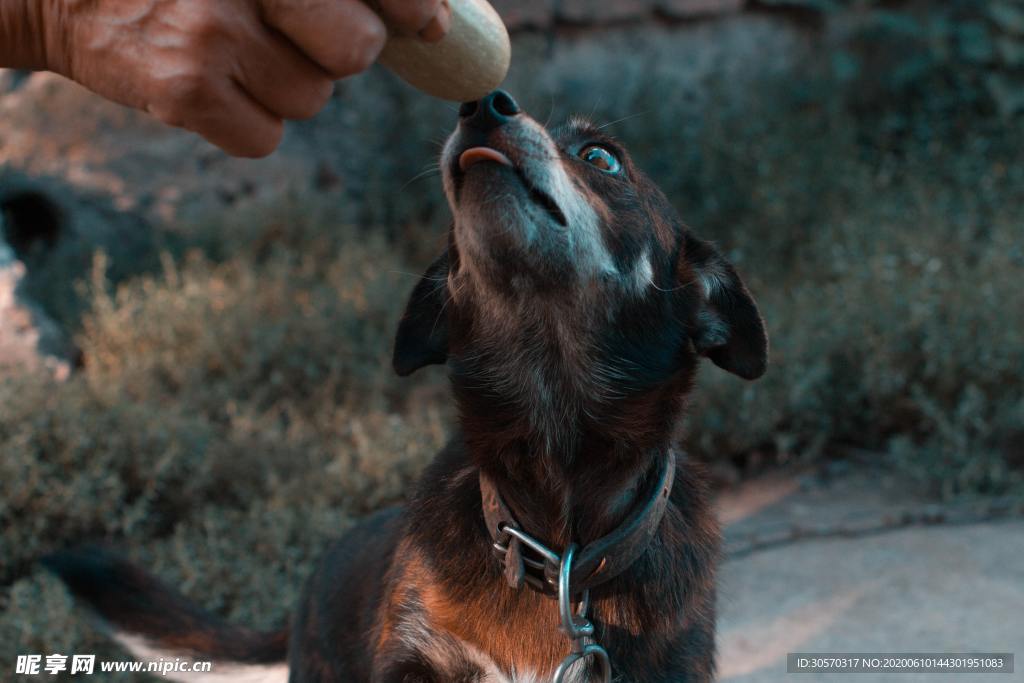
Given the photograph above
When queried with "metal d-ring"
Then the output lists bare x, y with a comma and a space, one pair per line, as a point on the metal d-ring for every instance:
604, 672
576, 626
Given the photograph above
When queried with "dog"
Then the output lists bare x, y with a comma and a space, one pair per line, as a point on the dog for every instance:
560, 535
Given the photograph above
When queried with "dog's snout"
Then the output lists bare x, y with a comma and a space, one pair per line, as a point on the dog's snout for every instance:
492, 111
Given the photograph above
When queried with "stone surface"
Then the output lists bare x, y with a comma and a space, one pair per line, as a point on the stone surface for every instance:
688, 9
51, 127
7, 80
921, 589
29, 340
524, 14
603, 11
531, 14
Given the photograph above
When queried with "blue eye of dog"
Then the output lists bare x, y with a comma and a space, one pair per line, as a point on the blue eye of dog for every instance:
602, 158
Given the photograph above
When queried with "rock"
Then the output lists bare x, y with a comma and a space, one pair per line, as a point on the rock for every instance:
6, 81
688, 9
602, 11
49, 233
703, 60
11, 79
29, 340
531, 14
525, 14
51, 127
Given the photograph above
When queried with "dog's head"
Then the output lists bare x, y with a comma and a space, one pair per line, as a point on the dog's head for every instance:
569, 287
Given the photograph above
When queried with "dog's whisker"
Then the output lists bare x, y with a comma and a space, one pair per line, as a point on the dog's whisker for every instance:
624, 118
551, 111
419, 176
418, 276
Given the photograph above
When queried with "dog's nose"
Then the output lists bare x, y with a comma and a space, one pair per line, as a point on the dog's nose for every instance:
494, 110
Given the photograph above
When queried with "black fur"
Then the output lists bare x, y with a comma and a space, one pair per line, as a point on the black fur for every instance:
130, 601
423, 333
569, 387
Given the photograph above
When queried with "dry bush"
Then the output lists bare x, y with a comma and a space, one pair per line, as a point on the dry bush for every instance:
231, 418
237, 407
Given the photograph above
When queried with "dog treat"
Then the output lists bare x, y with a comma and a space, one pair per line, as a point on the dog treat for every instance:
469, 62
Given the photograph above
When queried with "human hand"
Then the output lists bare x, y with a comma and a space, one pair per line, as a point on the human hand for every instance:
230, 70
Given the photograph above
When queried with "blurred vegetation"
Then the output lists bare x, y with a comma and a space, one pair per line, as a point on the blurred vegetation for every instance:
237, 409
964, 51
231, 418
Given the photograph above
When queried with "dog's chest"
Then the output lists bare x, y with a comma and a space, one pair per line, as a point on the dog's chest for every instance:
490, 672
459, 660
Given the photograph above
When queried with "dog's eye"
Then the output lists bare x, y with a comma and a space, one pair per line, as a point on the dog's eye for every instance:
602, 158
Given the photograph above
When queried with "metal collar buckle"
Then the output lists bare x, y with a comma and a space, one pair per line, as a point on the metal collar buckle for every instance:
524, 559
516, 563
599, 561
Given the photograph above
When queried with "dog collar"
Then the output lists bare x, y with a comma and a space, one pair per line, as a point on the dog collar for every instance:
527, 560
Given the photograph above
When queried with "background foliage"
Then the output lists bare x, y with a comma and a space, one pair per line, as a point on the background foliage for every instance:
236, 407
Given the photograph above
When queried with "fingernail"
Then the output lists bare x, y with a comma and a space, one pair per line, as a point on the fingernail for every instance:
439, 25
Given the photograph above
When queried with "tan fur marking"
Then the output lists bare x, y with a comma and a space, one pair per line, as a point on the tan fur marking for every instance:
516, 630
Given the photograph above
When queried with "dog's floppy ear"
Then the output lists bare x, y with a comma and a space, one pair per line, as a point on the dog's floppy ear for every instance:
422, 337
729, 328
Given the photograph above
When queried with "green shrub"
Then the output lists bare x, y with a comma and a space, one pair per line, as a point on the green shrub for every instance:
236, 407
230, 419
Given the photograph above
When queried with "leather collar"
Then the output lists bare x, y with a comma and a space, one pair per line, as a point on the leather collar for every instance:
526, 560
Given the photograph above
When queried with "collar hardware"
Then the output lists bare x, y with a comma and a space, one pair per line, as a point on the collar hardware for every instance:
525, 559
569, 576
577, 627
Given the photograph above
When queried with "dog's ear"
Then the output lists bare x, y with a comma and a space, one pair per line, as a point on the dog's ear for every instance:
422, 337
729, 328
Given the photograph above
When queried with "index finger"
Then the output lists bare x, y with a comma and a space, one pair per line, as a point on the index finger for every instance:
342, 36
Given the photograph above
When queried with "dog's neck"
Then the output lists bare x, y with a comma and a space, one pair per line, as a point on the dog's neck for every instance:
568, 495
569, 449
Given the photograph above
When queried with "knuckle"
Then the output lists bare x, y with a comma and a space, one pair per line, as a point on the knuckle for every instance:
362, 51
185, 94
205, 25
191, 89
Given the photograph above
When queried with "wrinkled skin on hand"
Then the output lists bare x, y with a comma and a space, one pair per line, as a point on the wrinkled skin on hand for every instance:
230, 70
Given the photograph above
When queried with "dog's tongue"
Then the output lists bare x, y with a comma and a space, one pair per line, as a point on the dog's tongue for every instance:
474, 155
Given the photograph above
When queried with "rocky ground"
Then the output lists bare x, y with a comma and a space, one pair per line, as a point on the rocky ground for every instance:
887, 573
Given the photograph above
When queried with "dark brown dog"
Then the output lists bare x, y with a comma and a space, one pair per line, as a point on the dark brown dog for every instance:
572, 308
